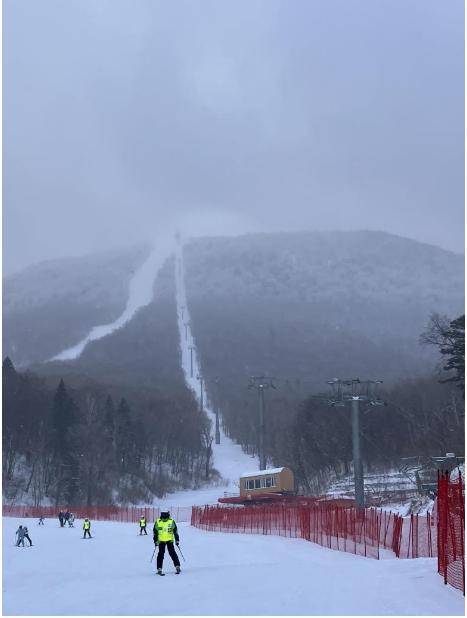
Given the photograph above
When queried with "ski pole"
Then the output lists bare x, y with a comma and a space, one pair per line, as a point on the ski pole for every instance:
181, 553
152, 557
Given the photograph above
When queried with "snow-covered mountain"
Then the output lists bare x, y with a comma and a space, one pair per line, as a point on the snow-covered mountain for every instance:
292, 295
318, 304
52, 305
303, 307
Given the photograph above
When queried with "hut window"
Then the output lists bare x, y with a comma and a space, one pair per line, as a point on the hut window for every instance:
257, 483
250, 484
274, 481
268, 481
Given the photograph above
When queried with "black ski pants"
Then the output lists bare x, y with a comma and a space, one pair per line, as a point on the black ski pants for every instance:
26, 536
87, 532
142, 529
172, 553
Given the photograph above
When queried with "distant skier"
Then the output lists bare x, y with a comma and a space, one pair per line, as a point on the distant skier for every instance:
20, 536
71, 520
61, 518
165, 531
26, 535
66, 517
87, 528
142, 525
41, 521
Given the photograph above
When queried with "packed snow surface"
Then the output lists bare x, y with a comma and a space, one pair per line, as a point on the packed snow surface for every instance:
140, 294
224, 574
228, 457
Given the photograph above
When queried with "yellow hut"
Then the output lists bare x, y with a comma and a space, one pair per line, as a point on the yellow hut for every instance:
271, 480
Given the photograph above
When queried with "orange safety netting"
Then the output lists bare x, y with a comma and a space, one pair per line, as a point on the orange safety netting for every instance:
130, 514
359, 531
450, 516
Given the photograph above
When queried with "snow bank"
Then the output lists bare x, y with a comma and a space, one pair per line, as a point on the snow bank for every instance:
225, 574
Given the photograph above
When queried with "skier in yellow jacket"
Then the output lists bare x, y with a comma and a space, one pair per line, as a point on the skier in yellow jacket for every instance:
142, 525
87, 528
165, 532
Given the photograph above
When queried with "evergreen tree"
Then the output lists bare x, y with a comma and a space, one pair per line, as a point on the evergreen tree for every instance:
8, 367
454, 349
63, 418
449, 336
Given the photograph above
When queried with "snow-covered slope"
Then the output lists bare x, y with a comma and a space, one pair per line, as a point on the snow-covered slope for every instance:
140, 294
49, 306
229, 459
314, 305
224, 574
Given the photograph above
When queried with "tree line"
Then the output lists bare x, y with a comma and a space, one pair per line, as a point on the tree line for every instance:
80, 446
424, 416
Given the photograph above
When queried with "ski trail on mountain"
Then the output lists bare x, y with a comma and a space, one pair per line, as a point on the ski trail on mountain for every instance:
228, 457
140, 294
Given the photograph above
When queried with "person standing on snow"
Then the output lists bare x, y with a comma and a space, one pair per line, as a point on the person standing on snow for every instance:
61, 519
165, 531
142, 525
87, 528
20, 534
71, 520
41, 521
26, 535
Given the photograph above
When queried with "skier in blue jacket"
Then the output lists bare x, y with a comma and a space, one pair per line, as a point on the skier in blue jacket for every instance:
20, 535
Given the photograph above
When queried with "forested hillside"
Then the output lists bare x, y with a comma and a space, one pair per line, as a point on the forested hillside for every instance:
302, 308
308, 307
318, 305
95, 444
52, 305
121, 427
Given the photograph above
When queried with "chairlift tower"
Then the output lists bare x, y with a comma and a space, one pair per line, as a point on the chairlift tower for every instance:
201, 397
191, 348
261, 383
216, 411
354, 391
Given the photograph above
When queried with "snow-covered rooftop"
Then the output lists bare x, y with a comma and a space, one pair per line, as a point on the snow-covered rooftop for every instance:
267, 472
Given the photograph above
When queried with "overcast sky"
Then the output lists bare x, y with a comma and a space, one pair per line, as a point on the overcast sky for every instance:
121, 116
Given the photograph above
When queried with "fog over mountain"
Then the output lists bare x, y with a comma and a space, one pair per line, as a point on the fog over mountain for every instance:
257, 115
314, 305
290, 295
